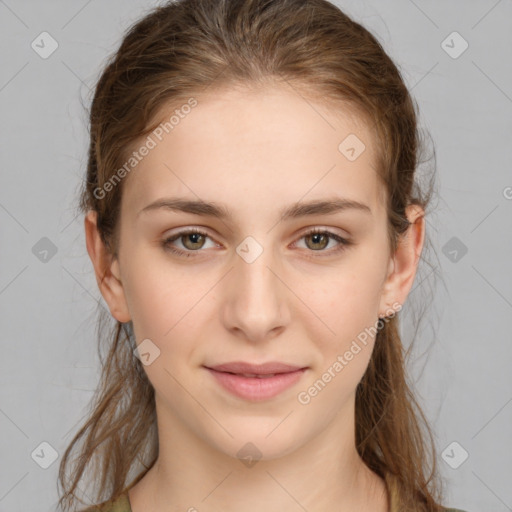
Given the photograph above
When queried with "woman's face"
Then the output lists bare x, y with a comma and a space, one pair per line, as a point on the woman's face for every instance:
256, 287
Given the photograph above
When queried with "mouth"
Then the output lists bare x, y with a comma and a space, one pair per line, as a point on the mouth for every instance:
242, 367
254, 375
262, 382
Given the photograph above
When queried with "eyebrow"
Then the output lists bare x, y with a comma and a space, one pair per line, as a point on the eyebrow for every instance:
294, 211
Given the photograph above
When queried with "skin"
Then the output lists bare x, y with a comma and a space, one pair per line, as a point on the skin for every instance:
255, 152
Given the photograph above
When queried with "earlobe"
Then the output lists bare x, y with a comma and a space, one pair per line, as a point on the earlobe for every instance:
106, 269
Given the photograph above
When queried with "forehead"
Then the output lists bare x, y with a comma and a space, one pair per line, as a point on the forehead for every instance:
238, 145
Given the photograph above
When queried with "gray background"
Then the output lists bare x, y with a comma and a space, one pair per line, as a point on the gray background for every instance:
48, 302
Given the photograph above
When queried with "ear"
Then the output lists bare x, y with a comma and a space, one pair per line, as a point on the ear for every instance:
404, 263
106, 268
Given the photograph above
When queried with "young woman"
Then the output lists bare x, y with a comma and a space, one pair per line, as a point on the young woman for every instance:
255, 226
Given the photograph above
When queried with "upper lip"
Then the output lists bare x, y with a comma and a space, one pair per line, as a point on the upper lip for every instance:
256, 369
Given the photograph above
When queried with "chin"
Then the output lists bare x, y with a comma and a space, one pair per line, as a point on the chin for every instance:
254, 442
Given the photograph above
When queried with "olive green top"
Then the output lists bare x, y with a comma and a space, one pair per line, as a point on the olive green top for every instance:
122, 504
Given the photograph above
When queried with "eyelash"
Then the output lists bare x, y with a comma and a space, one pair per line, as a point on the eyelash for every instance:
344, 243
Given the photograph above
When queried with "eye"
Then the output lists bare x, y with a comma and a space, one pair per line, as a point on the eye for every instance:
318, 239
193, 240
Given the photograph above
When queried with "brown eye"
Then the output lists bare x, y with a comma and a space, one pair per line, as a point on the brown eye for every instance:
316, 240
191, 241
319, 240
196, 240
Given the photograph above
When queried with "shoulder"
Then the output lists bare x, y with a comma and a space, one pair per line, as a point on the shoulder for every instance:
120, 504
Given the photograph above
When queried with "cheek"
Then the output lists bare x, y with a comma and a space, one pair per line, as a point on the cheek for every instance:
149, 303
158, 294
165, 310
343, 327
170, 308
343, 332
349, 300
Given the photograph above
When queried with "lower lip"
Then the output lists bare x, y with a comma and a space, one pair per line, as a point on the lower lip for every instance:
254, 388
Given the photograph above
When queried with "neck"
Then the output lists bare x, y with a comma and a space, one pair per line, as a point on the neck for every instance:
324, 472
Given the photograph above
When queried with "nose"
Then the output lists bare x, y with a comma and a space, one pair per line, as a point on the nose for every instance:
255, 303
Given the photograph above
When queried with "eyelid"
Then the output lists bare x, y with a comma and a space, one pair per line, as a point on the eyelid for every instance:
343, 242
183, 232
325, 229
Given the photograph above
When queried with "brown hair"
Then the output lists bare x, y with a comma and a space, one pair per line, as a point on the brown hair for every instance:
177, 51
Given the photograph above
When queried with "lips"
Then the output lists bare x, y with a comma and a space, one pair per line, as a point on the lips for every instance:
264, 370
255, 382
